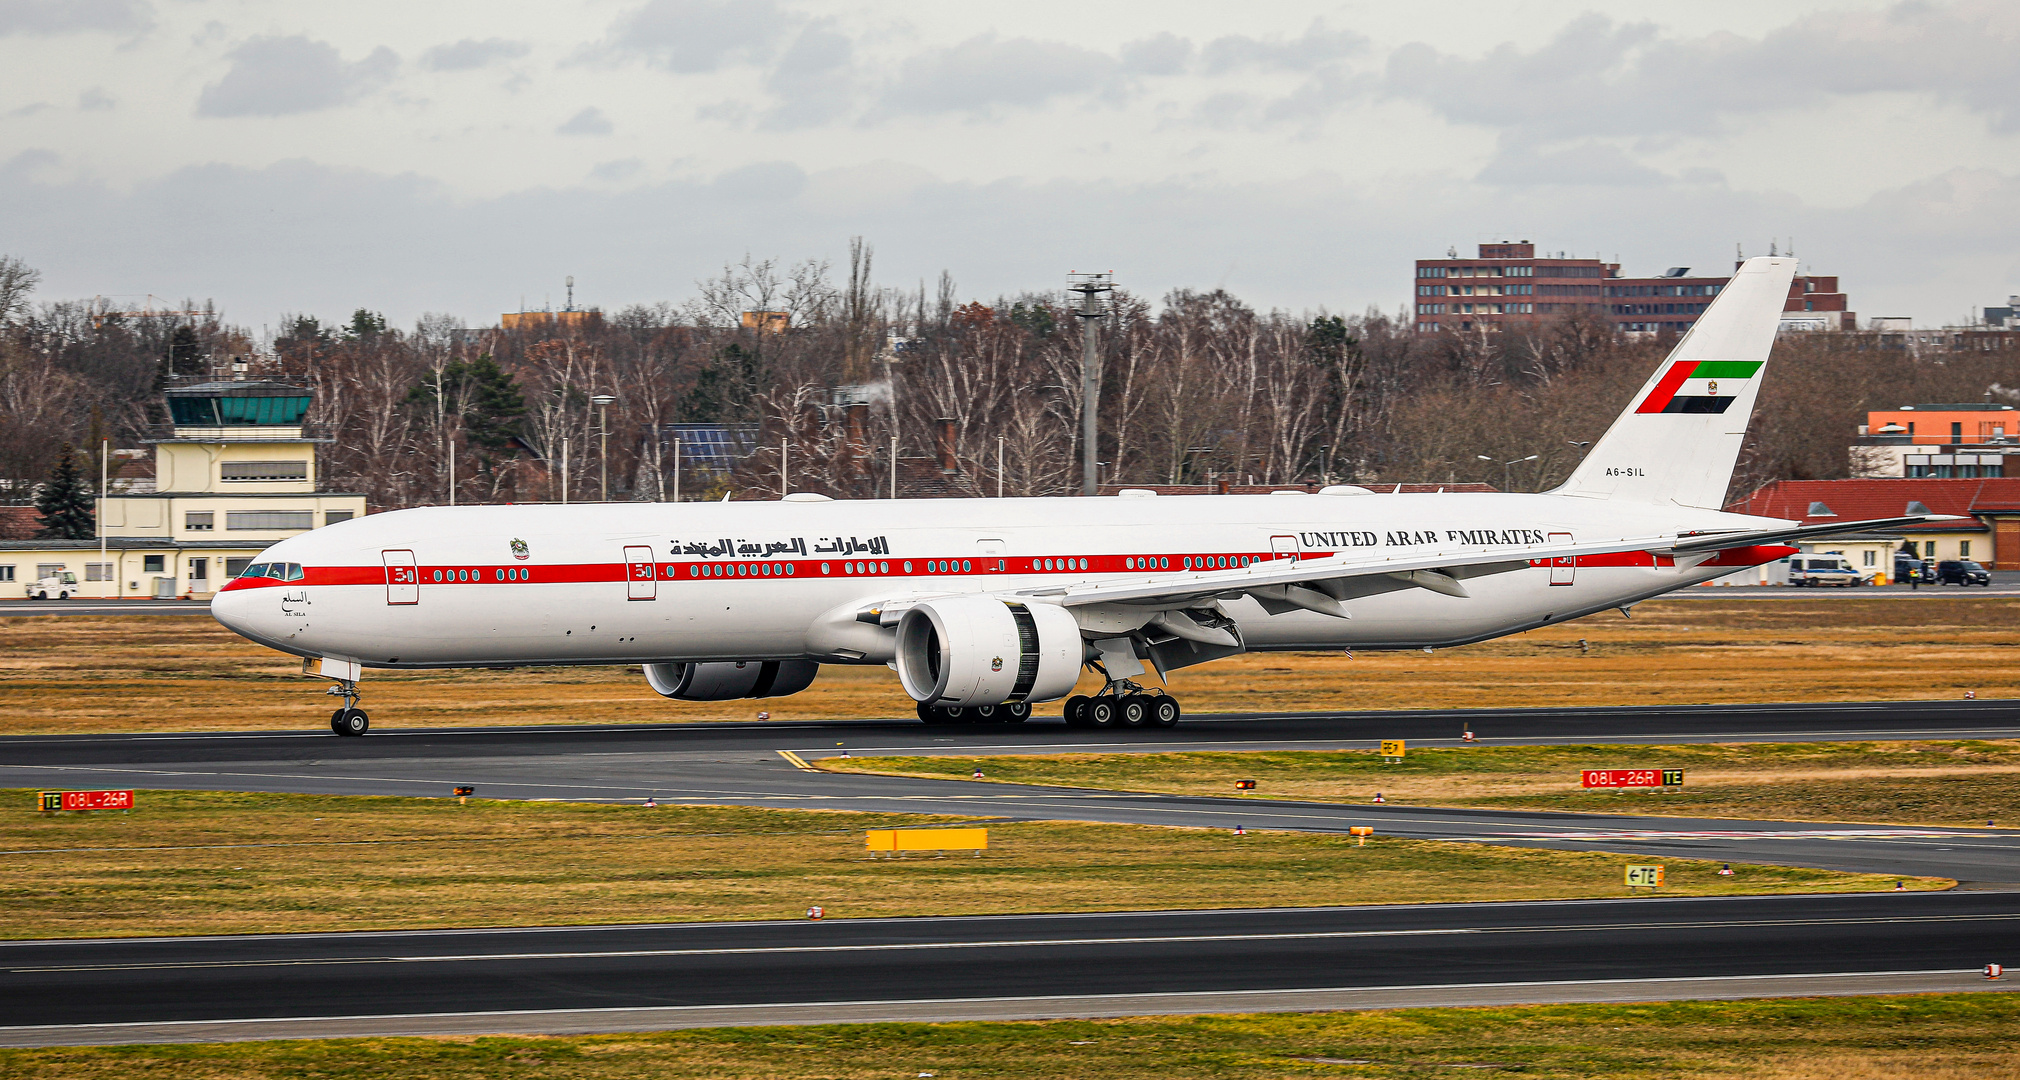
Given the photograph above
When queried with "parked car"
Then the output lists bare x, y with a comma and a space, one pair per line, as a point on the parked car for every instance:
1816, 570
1962, 572
1906, 567
59, 586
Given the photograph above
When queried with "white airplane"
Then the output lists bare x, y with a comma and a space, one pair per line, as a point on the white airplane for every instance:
986, 606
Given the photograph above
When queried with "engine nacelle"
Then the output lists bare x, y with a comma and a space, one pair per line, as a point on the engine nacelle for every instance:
986, 650
731, 679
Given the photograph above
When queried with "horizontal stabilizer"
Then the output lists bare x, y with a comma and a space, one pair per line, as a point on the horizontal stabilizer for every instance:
1689, 544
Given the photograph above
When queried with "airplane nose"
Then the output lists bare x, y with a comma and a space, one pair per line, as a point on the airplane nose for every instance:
232, 608
249, 613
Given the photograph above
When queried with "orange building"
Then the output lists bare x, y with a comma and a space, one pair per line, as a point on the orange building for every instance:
535, 321
1945, 425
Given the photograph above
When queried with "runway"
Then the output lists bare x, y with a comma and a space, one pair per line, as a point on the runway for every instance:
82, 606
625, 978
739, 765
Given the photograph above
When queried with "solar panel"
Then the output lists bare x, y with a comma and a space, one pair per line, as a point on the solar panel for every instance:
711, 447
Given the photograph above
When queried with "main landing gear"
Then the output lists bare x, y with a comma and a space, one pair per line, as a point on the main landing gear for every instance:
1015, 712
1123, 704
349, 720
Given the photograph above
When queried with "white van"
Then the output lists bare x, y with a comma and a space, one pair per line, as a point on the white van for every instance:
1815, 570
59, 586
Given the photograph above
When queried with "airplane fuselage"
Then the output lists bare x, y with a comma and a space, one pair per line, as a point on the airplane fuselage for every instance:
635, 583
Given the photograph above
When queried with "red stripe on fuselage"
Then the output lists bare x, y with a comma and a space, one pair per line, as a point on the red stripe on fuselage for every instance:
696, 572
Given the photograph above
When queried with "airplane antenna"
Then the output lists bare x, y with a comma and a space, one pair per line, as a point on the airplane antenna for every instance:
1095, 303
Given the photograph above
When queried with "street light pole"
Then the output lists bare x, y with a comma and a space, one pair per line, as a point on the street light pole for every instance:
603, 403
1505, 464
1093, 290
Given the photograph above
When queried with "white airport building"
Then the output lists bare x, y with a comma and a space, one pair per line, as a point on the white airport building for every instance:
235, 472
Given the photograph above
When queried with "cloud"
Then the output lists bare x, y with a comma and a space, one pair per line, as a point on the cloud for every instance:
276, 76
612, 172
95, 99
696, 36
73, 16
470, 54
766, 181
986, 72
589, 121
814, 80
1586, 163
1163, 53
1315, 48
296, 236
1598, 77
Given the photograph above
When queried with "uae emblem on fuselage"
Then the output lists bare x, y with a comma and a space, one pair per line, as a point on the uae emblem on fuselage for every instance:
520, 550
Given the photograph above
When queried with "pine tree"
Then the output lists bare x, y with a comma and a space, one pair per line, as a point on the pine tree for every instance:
185, 354
63, 503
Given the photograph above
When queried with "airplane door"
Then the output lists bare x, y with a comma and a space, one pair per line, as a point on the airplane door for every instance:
640, 582
1563, 567
403, 583
1284, 547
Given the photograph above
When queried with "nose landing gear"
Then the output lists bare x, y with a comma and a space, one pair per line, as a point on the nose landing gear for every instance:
349, 720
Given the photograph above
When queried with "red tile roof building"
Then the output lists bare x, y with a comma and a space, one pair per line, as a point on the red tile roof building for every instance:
1990, 507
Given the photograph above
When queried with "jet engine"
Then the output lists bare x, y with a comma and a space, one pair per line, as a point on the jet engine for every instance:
986, 650
731, 679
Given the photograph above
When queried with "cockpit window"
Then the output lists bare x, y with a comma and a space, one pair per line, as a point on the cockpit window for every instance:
258, 569
294, 572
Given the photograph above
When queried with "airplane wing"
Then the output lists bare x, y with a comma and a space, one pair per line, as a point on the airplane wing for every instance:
1320, 584
1692, 543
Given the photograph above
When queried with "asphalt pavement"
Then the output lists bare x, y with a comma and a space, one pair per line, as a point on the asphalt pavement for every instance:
741, 765
81, 606
643, 977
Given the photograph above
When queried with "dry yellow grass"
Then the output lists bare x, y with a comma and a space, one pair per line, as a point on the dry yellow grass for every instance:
1927, 1037
152, 672
1923, 783
225, 862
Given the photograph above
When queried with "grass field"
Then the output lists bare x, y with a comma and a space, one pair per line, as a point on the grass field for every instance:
165, 673
222, 862
1932, 1037
1923, 783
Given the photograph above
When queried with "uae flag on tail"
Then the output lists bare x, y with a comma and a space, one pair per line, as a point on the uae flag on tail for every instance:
1699, 386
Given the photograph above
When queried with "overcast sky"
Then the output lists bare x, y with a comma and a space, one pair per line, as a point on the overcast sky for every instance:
463, 157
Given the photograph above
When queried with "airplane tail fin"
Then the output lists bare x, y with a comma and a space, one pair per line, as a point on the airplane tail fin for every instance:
1680, 436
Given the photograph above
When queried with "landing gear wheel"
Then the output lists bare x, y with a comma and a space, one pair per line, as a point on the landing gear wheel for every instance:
1133, 710
1164, 711
956, 714
986, 714
1100, 712
1017, 712
1076, 711
930, 714
350, 722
